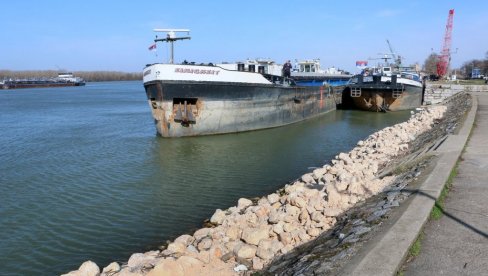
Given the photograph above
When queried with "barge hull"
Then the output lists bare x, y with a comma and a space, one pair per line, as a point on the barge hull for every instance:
35, 85
203, 108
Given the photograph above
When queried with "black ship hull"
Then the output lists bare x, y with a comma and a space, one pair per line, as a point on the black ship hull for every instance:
192, 108
380, 96
19, 85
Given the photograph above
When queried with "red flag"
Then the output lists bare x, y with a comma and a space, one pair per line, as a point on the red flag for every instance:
361, 63
152, 47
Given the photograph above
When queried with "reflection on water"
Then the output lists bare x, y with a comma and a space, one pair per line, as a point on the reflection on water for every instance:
84, 176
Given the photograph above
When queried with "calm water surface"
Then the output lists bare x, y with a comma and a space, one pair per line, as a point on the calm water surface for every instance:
83, 174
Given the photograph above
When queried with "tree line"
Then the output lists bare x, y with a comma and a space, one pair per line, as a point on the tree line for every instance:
430, 66
86, 75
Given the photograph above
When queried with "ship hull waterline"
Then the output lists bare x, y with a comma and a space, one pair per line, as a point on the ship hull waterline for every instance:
194, 108
382, 99
39, 85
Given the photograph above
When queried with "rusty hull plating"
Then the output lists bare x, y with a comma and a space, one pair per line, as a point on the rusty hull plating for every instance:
182, 108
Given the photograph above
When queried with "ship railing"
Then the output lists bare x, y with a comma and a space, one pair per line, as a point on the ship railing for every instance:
280, 80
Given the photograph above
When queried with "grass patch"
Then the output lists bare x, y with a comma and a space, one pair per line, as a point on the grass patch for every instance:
414, 250
437, 211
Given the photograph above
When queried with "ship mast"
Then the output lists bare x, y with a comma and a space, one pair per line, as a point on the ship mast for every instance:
171, 38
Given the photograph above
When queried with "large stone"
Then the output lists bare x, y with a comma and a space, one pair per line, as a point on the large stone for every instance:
233, 233
187, 262
273, 198
111, 269
202, 233
304, 216
176, 247
246, 251
167, 267
191, 249
265, 254
276, 246
341, 185
289, 227
328, 177
243, 203
292, 210
257, 263
303, 235
285, 238
205, 244
87, 268
275, 217
333, 197
308, 178
138, 261
261, 212
319, 172
332, 212
317, 216
314, 232
218, 217
345, 157
218, 233
135, 260
250, 219
289, 218
255, 235
278, 228
185, 239
317, 203
216, 251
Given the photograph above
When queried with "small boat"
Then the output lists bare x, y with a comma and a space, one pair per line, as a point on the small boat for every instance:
191, 99
308, 72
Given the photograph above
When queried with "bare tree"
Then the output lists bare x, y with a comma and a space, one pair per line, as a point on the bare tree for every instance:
430, 64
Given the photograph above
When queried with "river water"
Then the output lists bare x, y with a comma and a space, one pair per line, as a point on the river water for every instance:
83, 175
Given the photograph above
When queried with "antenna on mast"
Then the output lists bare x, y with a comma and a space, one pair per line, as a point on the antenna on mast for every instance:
171, 38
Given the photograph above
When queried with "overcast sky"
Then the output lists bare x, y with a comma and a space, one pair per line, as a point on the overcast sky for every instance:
115, 35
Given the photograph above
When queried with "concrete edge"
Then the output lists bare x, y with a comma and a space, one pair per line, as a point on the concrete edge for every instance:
387, 255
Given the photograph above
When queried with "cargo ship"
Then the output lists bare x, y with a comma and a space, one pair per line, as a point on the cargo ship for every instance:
63, 79
203, 99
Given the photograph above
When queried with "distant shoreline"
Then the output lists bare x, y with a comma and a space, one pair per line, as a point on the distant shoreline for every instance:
88, 76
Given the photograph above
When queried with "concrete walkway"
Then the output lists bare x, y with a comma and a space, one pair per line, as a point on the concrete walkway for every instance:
457, 244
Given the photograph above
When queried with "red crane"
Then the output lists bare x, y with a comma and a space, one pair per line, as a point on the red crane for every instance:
445, 56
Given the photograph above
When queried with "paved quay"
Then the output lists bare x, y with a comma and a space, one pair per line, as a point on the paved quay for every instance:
386, 254
457, 243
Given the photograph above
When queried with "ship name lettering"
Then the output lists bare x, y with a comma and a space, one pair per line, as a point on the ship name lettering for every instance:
197, 71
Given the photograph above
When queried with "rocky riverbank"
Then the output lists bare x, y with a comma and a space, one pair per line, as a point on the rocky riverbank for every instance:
314, 210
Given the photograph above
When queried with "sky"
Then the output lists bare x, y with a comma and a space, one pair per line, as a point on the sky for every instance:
115, 35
